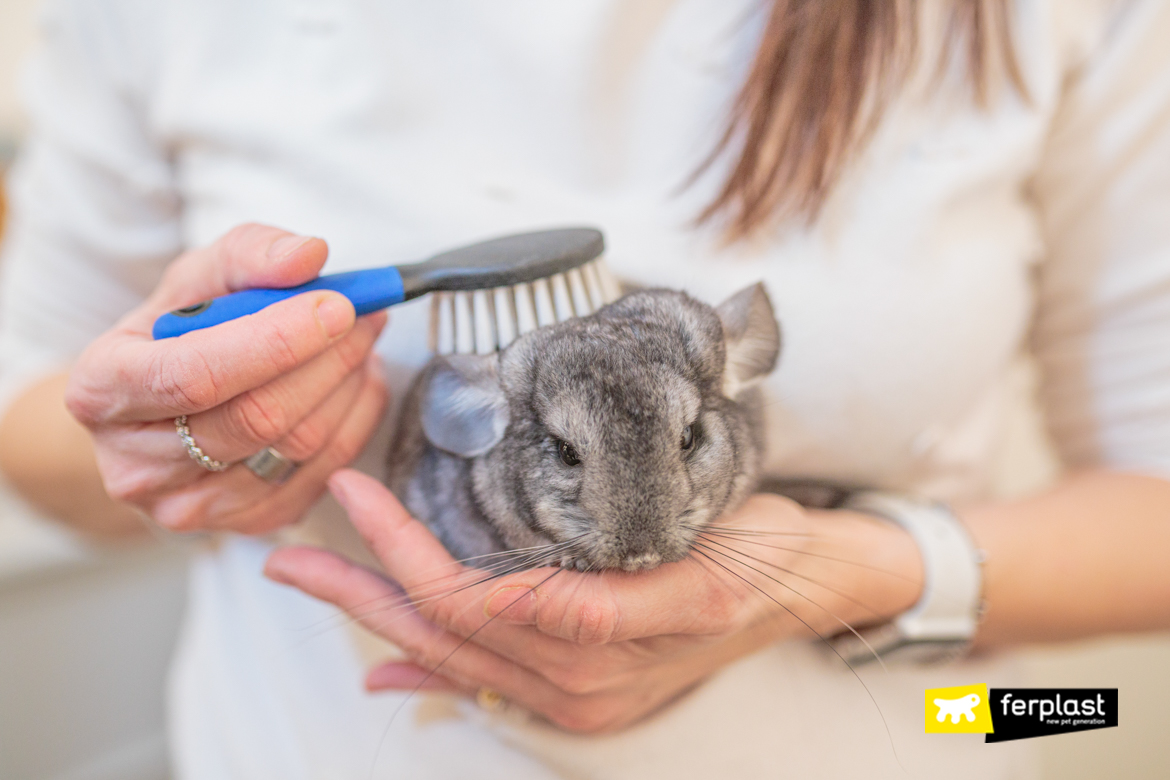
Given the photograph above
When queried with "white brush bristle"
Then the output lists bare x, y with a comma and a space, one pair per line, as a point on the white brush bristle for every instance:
546, 313
464, 324
486, 321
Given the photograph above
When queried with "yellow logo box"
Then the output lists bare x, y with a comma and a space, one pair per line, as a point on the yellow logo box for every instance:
963, 709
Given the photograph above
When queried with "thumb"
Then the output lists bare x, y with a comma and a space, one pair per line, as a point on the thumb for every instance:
245, 257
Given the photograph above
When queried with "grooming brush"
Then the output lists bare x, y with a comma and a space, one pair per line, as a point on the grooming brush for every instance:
487, 320
487, 294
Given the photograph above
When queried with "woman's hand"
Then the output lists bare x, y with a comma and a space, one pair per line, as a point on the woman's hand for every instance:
297, 376
596, 652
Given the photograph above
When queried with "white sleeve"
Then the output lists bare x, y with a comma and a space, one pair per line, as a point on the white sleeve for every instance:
94, 215
1102, 331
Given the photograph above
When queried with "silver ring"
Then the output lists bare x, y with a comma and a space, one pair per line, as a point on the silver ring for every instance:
271, 466
197, 455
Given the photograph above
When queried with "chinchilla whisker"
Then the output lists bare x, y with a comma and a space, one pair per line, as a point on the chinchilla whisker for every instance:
825, 642
482, 580
393, 600
729, 529
504, 559
798, 551
520, 551
446, 658
827, 611
547, 557
509, 562
410, 604
455, 616
806, 578
398, 603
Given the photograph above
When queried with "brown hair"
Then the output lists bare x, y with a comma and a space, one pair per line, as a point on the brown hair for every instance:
824, 72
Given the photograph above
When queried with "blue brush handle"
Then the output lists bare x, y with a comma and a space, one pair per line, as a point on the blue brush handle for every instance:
369, 290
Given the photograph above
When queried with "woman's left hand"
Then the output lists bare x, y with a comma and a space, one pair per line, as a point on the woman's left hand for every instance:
595, 652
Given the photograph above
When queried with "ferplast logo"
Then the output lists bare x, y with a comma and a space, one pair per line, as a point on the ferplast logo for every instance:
959, 710
1018, 713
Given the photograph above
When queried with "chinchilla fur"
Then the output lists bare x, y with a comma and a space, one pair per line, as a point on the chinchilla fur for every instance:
617, 434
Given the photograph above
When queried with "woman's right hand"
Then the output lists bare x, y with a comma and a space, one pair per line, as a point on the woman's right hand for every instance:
298, 376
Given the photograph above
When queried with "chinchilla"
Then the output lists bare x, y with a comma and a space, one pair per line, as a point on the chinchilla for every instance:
607, 440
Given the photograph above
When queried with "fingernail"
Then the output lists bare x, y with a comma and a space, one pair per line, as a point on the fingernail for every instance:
513, 604
380, 677
283, 247
335, 315
275, 575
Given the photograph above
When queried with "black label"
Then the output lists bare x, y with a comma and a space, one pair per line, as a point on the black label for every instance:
191, 311
1020, 713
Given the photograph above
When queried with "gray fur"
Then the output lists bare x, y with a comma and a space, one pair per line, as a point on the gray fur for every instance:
620, 386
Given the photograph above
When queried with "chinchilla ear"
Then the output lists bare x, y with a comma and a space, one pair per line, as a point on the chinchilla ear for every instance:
752, 338
463, 407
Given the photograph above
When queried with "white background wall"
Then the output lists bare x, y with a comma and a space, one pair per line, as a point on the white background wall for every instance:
85, 633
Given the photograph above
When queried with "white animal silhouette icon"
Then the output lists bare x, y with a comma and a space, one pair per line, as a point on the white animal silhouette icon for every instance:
963, 706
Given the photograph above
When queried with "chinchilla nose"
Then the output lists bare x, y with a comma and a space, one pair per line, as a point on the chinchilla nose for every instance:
636, 561
637, 503
639, 542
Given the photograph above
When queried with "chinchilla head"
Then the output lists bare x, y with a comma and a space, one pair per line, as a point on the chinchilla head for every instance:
626, 430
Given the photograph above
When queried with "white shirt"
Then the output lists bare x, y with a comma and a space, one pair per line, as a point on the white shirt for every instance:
397, 129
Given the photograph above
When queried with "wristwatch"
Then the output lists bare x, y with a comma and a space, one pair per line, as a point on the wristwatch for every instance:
941, 625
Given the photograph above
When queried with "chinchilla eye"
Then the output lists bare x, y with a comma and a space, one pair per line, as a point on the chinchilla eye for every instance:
688, 437
568, 453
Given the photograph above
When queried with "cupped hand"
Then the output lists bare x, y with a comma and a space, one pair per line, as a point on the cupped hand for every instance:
297, 376
596, 652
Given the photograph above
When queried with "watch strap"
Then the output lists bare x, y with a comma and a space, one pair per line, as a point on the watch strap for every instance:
943, 622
